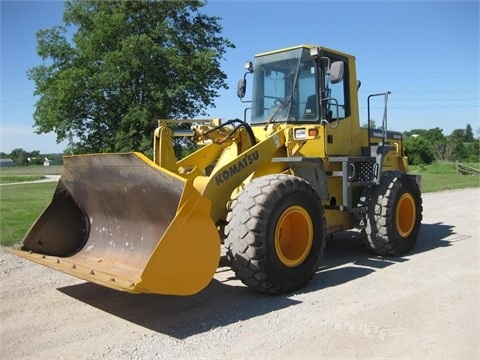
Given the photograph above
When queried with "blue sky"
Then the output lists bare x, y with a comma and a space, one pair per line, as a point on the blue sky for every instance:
425, 52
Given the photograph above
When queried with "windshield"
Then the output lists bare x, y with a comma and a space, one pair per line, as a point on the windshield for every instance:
286, 80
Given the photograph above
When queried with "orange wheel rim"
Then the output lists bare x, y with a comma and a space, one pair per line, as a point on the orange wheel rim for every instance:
406, 215
293, 236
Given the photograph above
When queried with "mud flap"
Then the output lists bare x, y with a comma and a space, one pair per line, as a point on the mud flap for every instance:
121, 221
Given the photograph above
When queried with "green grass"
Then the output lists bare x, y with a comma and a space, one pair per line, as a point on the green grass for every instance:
5, 179
440, 182
439, 168
27, 173
443, 176
32, 170
20, 206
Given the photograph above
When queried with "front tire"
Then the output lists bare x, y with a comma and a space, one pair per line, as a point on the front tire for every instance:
276, 234
394, 214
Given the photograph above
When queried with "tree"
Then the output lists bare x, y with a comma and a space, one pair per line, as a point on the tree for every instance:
19, 156
458, 134
469, 134
424, 146
373, 125
444, 150
419, 150
128, 64
432, 135
472, 152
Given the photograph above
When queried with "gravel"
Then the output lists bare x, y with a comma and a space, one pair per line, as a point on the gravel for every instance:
423, 305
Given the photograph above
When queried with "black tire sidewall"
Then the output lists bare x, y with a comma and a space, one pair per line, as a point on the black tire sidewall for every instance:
279, 205
382, 234
250, 233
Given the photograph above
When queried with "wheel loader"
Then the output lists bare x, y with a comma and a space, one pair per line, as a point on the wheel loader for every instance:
269, 190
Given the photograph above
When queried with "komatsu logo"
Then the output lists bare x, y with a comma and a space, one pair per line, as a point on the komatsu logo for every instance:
235, 168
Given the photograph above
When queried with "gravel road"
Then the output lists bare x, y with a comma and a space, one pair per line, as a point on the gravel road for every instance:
424, 305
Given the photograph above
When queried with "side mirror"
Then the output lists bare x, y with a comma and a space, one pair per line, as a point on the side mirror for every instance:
248, 65
336, 72
242, 84
241, 88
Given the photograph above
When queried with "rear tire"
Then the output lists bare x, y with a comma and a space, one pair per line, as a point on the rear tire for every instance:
275, 234
394, 214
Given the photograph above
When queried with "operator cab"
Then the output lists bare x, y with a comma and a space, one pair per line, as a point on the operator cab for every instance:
303, 84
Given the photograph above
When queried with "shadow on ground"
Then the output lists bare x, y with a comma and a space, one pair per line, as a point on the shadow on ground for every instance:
225, 302
347, 259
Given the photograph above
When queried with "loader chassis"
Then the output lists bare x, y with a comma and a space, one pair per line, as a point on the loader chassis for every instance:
270, 189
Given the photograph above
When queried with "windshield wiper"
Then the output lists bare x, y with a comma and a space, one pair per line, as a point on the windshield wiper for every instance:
278, 111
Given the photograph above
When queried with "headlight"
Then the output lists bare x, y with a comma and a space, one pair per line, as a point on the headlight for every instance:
300, 133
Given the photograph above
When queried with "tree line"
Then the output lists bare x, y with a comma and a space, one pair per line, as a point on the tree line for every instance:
427, 146
23, 157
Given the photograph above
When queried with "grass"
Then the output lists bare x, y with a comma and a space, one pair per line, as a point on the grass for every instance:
21, 204
440, 182
439, 168
27, 173
32, 170
443, 176
6, 179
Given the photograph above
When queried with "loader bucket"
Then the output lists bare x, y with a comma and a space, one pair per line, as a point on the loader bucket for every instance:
121, 221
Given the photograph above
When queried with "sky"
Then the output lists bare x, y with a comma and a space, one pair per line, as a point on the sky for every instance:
425, 52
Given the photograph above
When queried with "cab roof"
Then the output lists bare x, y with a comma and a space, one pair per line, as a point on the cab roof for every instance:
305, 47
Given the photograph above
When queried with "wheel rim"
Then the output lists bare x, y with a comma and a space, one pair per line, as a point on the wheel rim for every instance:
293, 236
406, 215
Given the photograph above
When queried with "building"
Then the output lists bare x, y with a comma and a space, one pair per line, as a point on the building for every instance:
6, 163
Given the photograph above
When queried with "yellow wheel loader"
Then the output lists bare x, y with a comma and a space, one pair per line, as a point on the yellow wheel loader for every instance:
269, 189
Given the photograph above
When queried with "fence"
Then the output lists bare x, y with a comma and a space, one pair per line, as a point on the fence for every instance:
466, 170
